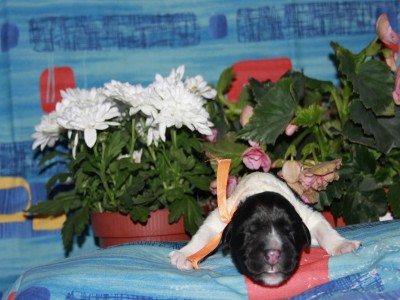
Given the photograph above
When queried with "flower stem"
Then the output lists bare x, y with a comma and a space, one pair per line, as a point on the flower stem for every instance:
340, 105
133, 139
153, 155
174, 139
232, 110
318, 135
104, 178
300, 137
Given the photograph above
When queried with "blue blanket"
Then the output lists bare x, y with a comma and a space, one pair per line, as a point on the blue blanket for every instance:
142, 271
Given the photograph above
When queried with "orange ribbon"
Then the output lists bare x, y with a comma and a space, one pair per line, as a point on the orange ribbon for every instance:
226, 216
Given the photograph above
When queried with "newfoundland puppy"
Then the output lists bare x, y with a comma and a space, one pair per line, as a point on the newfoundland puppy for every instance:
267, 233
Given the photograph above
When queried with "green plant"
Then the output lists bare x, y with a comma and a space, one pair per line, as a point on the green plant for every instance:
347, 135
128, 149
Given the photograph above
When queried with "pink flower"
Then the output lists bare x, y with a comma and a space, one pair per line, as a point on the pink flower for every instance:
231, 185
386, 34
319, 176
307, 181
396, 92
291, 129
391, 60
247, 113
255, 157
291, 171
213, 137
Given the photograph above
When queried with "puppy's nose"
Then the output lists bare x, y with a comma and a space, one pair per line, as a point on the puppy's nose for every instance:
273, 256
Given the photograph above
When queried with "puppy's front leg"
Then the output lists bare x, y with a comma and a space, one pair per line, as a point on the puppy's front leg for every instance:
329, 239
210, 228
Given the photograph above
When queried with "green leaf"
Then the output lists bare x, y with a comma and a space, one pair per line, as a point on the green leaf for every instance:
191, 211
364, 160
62, 203
140, 214
298, 87
227, 147
61, 177
201, 182
51, 155
393, 198
244, 98
187, 163
374, 83
335, 189
175, 212
75, 224
321, 85
131, 192
308, 117
225, 81
115, 144
309, 148
88, 167
369, 184
273, 112
355, 134
346, 58
259, 89
363, 207
385, 131
371, 80
67, 233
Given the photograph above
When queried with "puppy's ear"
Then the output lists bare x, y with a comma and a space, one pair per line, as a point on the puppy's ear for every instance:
226, 238
306, 236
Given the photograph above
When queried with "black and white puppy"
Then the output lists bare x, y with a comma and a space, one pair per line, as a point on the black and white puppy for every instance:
267, 232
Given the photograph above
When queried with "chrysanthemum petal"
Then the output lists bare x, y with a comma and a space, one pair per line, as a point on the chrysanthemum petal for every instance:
90, 136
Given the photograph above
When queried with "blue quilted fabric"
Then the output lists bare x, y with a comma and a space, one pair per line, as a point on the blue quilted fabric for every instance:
142, 271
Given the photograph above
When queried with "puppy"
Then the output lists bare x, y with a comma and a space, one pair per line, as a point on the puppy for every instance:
267, 232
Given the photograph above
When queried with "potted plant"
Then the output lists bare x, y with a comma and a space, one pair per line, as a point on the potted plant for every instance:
313, 132
128, 149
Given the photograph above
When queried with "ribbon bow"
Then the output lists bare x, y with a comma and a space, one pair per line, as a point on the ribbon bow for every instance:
226, 216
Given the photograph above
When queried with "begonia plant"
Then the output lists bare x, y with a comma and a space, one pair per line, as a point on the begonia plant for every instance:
335, 144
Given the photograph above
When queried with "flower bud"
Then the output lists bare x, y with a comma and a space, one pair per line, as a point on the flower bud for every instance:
396, 92
291, 171
255, 157
291, 129
386, 34
247, 113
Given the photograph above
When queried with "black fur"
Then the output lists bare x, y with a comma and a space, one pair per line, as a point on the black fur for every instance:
249, 238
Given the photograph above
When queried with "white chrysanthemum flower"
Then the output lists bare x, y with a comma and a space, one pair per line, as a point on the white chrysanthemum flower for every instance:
200, 87
174, 77
149, 131
86, 114
136, 156
82, 95
135, 96
179, 107
47, 132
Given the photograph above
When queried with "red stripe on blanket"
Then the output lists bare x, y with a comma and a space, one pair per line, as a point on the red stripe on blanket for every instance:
313, 271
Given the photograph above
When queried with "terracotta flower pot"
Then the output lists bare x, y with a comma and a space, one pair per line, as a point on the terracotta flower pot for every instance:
115, 228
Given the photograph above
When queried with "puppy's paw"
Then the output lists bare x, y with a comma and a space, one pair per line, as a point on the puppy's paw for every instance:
345, 246
179, 260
